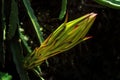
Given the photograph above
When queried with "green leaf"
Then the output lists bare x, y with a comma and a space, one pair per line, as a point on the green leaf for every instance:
35, 25
13, 20
5, 76
110, 3
33, 19
2, 36
3, 21
37, 70
63, 9
22, 37
18, 59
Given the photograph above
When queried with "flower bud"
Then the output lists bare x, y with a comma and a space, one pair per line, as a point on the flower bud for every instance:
65, 37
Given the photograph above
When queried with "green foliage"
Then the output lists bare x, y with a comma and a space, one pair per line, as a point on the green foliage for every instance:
33, 19
110, 3
22, 37
18, 58
13, 20
5, 76
2, 35
63, 9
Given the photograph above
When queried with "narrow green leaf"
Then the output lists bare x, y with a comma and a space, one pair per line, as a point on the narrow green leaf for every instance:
37, 70
110, 3
34, 22
63, 9
33, 19
18, 59
3, 21
13, 20
2, 35
22, 37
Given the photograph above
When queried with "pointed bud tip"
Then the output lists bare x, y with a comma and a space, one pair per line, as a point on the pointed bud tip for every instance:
88, 37
93, 14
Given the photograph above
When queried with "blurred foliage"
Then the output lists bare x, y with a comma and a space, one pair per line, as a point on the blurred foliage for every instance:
5, 76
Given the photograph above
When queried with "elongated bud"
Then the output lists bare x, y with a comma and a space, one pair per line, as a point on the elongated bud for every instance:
66, 36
